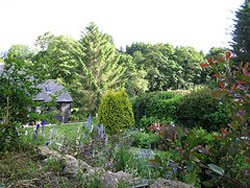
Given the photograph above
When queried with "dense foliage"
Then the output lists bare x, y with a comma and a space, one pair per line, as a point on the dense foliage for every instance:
101, 62
201, 109
18, 86
231, 150
201, 136
161, 106
115, 111
167, 67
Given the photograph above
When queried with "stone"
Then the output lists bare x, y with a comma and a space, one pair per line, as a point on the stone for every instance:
111, 180
44, 152
164, 183
72, 167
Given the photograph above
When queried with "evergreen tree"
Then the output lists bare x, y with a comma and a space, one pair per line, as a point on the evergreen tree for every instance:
102, 68
241, 39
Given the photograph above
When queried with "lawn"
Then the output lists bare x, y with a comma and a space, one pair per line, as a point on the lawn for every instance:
56, 132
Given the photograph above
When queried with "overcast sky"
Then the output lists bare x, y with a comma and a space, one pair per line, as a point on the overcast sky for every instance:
199, 23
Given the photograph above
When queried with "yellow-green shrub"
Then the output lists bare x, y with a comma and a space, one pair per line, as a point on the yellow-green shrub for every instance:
115, 111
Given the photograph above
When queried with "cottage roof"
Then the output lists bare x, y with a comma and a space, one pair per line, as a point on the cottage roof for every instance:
49, 89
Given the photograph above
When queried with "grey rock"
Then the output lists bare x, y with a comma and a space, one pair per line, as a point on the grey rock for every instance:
72, 167
45, 152
111, 180
164, 183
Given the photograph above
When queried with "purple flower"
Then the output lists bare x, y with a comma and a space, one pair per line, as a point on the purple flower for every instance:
175, 170
101, 128
241, 113
37, 126
46, 143
43, 123
89, 122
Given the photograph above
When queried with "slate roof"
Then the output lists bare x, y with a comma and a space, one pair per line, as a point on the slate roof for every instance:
49, 89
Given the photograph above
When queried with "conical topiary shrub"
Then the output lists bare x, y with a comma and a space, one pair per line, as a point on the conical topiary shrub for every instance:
115, 111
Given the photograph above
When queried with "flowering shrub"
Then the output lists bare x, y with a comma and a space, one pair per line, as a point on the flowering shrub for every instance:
232, 150
216, 159
166, 132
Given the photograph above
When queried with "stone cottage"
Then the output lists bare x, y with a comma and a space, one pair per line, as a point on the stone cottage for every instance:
50, 89
63, 99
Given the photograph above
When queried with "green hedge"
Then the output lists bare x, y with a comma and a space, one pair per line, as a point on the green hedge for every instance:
196, 108
115, 111
159, 105
201, 109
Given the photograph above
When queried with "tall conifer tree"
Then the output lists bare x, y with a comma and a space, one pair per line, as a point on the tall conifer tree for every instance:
241, 34
102, 62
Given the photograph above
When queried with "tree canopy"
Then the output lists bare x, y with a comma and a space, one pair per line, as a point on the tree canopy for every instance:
90, 66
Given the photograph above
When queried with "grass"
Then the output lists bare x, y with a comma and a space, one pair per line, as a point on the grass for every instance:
25, 169
68, 131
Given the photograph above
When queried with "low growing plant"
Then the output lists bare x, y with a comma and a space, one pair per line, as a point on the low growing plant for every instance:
144, 140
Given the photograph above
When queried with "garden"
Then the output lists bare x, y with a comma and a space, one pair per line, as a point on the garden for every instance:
150, 115
199, 136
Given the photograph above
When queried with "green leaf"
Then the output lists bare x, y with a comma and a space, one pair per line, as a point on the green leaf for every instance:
209, 183
216, 169
191, 178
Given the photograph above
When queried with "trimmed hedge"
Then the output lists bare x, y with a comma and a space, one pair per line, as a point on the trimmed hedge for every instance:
161, 105
115, 111
201, 109
197, 108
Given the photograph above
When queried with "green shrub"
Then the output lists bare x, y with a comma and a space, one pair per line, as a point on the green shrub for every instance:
115, 111
11, 138
160, 105
146, 121
122, 159
144, 140
199, 136
201, 109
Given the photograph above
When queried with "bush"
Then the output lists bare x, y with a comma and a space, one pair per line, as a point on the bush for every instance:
160, 105
144, 140
146, 121
115, 111
201, 109
11, 138
199, 136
